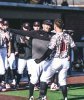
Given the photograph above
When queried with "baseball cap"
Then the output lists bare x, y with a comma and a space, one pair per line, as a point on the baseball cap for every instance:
36, 23
47, 22
26, 25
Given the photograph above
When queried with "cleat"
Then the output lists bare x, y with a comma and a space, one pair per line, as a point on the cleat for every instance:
54, 87
2, 83
42, 98
36, 88
16, 87
3, 89
8, 86
13, 82
31, 98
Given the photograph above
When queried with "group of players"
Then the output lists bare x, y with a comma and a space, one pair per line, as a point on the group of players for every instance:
13, 52
43, 51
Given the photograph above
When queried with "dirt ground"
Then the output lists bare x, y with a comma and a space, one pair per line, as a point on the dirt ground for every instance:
6, 97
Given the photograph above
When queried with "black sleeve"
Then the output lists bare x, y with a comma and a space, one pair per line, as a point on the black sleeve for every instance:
46, 55
15, 44
33, 34
21, 32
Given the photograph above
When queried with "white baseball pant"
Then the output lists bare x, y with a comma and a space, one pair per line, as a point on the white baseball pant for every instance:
22, 63
35, 70
57, 64
11, 61
3, 60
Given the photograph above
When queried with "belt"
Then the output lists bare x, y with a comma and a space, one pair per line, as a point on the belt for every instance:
61, 57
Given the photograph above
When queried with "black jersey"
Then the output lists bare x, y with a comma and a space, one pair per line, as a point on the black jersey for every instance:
40, 34
24, 49
40, 41
12, 42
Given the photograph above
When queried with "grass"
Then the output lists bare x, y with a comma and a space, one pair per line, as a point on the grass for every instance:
74, 93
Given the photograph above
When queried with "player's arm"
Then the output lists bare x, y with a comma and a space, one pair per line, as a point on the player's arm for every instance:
9, 49
15, 45
21, 32
40, 34
46, 55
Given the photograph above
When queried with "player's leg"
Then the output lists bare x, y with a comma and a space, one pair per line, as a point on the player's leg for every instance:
21, 66
12, 66
54, 85
11, 61
47, 73
2, 70
49, 70
56, 80
43, 91
7, 70
62, 77
31, 70
63, 86
34, 70
4, 59
36, 87
7, 73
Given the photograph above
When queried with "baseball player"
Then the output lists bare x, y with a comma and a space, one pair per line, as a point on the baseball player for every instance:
36, 27
39, 46
61, 42
4, 40
11, 57
24, 50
